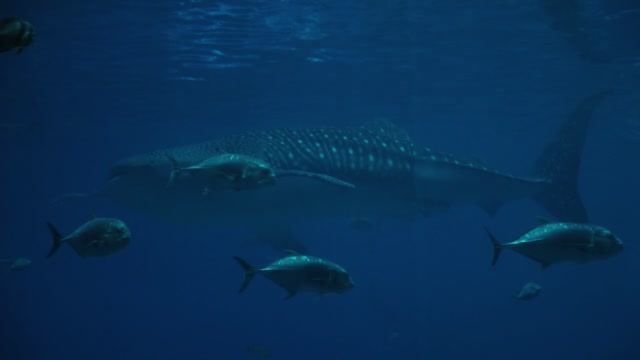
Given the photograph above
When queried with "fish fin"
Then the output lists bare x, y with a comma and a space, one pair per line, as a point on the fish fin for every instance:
497, 247
175, 169
543, 220
290, 252
249, 272
57, 239
290, 295
544, 265
92, 216
318, 176
559, 163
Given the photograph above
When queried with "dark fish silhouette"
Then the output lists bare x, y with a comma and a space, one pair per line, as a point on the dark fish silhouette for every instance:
15, 34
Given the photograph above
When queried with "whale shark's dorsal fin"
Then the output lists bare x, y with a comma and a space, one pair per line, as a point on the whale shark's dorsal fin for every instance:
387, 129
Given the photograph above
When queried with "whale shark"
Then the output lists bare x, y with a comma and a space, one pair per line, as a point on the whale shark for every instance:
391, 176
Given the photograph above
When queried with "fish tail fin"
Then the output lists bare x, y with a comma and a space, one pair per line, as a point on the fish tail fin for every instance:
497, 247
559, 163
175, 169
249, 272
57, 239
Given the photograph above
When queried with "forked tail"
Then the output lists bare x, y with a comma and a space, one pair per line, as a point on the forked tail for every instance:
249, 272
57, 239
559, 163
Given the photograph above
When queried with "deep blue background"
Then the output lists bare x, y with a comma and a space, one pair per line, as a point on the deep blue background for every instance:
108, 79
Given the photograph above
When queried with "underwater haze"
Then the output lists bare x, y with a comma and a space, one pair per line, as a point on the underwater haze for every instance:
493, 80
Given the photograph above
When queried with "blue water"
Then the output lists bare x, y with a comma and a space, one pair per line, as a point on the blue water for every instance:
108, 79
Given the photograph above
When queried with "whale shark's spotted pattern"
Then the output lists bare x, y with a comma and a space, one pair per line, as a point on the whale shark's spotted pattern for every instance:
390, 177
379, 149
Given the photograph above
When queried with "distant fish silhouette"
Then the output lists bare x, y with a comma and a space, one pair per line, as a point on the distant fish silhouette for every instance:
15, 34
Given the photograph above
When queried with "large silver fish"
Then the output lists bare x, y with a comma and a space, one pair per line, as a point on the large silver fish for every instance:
557, 242
301, 273
98, 237
384, 172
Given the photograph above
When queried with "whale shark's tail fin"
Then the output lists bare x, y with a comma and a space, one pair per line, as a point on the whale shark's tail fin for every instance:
559, 163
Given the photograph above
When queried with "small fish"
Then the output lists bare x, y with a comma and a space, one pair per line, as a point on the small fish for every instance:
15, 34
301, 273
18, 264
529, 291
239, 172
98, 237
261, 351
553, 243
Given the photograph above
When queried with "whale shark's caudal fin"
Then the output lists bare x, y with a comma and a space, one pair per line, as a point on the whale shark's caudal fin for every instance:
560, 163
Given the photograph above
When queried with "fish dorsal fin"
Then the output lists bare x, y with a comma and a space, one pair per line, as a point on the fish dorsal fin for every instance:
92, 216
387, 129
543, 220
290, 252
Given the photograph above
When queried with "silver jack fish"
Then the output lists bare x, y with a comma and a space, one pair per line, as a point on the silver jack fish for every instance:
238, 172
364, 171
554, 243
15, 34
98, 237
301, 273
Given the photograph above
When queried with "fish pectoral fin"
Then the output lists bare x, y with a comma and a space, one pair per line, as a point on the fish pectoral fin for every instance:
318, 176
290, 295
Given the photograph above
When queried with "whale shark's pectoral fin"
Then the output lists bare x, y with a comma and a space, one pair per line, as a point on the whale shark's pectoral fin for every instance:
322, 177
